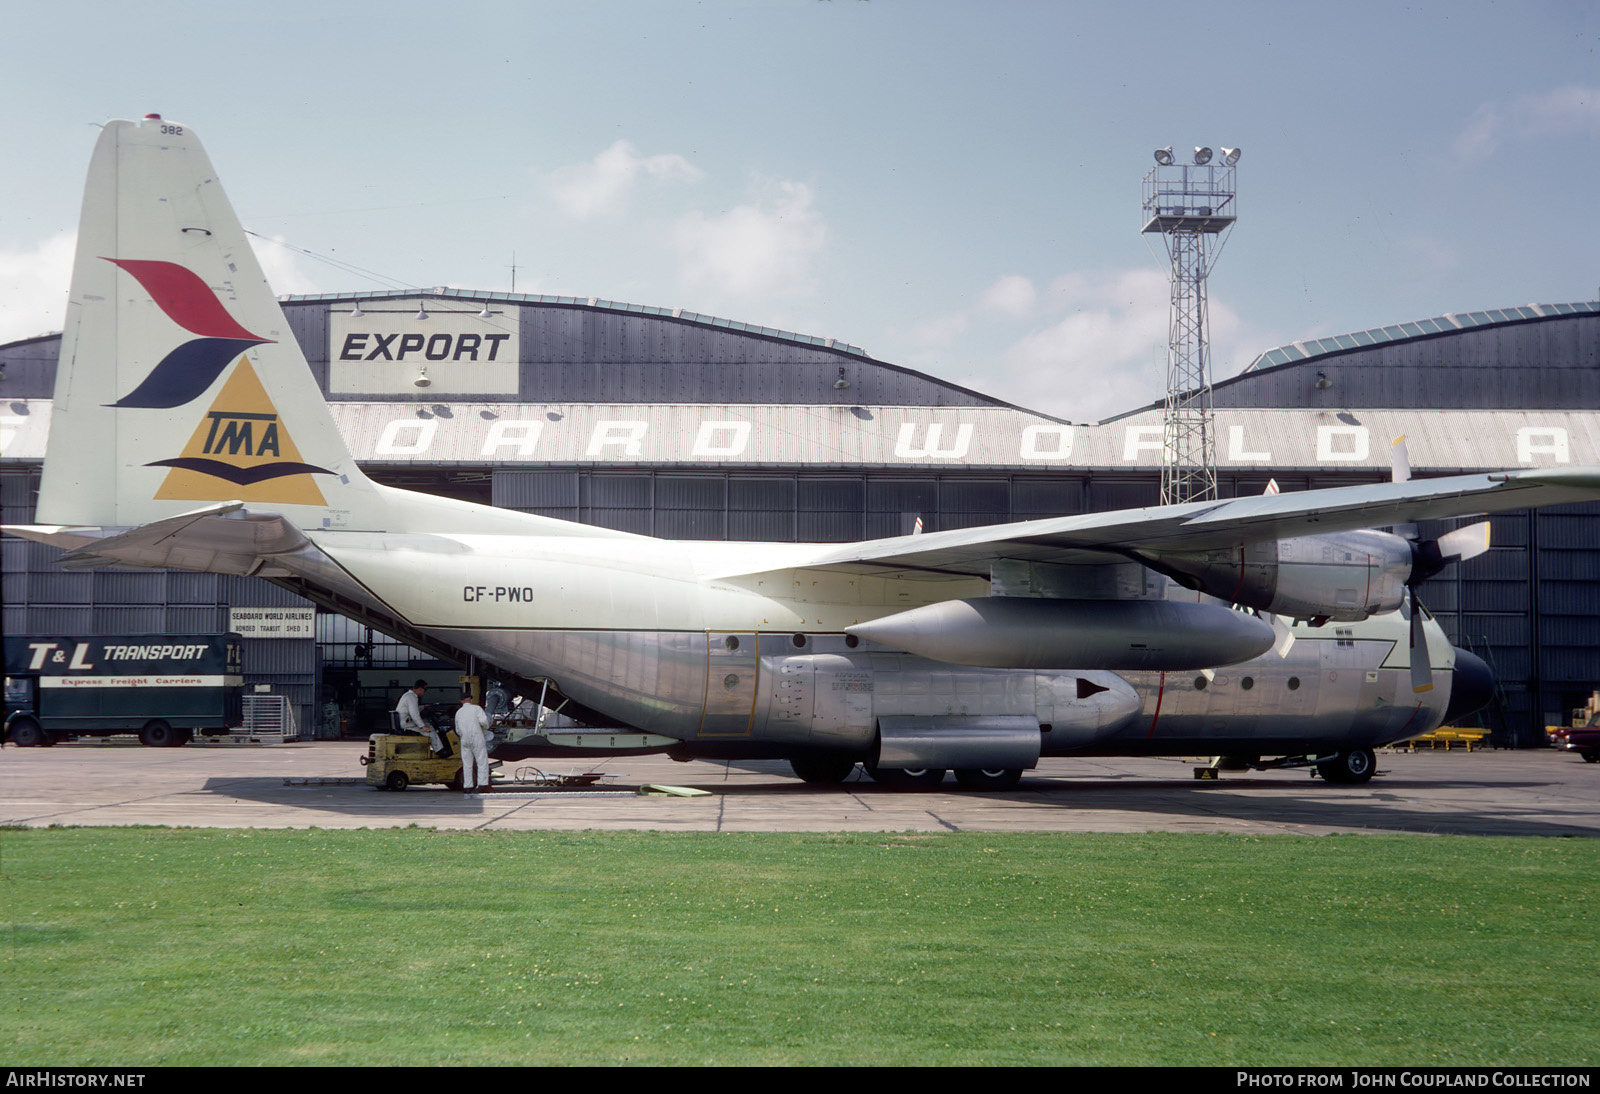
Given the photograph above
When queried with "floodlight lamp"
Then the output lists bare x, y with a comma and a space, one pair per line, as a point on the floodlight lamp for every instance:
422, 311
422, 378
356, 311
1202, 155
1230, 156
1164, 156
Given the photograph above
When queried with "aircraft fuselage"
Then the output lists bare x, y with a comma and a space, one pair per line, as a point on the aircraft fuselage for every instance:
761, 666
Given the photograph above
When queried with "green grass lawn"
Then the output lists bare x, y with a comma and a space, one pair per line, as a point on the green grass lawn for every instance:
150, 946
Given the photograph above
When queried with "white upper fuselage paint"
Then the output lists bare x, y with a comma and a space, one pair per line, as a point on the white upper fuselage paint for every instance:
571, 582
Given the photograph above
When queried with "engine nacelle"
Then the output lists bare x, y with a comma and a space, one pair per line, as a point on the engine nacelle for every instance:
1341, 575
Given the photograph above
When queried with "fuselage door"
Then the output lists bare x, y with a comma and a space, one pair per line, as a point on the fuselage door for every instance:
732, 663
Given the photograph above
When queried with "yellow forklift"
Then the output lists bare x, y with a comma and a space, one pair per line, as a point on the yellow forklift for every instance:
395, 761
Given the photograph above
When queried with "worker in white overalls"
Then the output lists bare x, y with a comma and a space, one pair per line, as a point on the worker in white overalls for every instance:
409, 713
471, 724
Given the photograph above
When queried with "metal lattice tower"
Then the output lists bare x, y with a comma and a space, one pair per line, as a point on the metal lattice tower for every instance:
1193, 207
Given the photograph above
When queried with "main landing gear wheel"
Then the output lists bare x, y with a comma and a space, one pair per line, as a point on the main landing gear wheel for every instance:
900, 778
25, 733
822, 770
985, 778
160, 735
1350, 768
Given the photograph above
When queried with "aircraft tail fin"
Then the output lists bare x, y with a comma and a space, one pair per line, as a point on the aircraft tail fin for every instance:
180, 382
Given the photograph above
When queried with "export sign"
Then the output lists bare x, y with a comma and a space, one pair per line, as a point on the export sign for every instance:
459, 352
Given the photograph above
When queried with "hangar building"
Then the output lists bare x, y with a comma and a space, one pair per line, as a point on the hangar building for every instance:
688, 426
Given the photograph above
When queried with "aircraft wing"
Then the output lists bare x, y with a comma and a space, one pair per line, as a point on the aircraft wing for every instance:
1208, 525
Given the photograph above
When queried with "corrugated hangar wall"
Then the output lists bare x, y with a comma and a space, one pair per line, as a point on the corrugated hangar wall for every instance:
1531, 605
40, 597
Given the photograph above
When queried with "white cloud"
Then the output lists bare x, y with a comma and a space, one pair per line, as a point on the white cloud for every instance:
1563, 112
1012, 295
1105, 350
33, 287
765, 247
284, 267
602, 185
1105, 357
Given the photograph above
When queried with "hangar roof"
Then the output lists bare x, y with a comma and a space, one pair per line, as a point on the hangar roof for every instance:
1534, 357
582, 302
1420, 328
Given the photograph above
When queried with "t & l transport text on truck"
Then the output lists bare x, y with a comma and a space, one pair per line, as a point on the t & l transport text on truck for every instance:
164, 687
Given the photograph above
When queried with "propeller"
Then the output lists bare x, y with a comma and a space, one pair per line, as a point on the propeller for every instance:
1283, 633
1400, 471
1428, 557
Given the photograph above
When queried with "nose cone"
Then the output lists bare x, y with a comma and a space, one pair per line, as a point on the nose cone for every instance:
1471, 686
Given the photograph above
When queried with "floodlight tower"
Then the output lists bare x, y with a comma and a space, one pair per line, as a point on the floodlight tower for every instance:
1193, 207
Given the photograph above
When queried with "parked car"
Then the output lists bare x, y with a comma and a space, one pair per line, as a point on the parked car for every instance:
1584, 740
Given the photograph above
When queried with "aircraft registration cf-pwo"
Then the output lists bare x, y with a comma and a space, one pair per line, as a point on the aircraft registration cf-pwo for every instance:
189, 433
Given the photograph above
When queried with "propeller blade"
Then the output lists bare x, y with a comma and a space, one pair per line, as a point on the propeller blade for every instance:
1400, 471
1429, 556
1399, 460
1421, 666
1283, 633
1464, 543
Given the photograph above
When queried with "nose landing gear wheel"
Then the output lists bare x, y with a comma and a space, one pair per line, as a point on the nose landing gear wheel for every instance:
1350, 768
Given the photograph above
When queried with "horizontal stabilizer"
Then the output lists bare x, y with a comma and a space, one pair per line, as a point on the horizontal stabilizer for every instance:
224, 538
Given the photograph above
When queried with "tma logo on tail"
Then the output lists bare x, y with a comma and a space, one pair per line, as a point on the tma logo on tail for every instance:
240, 450
241, 442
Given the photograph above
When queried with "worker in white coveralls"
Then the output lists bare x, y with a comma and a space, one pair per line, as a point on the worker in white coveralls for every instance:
409, 712
471, 726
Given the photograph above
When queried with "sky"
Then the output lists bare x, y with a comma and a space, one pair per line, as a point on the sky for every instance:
952, 186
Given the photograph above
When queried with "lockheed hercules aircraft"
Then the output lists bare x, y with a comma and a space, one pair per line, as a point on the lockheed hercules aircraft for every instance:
188, 432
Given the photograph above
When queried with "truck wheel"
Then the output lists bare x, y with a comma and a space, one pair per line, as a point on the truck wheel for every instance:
160, 735
25, 733
397, 780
